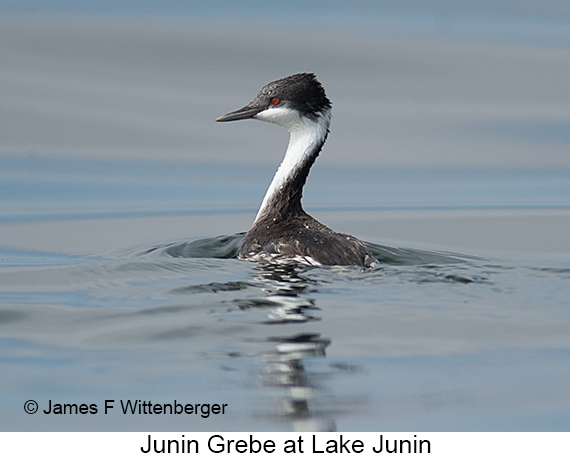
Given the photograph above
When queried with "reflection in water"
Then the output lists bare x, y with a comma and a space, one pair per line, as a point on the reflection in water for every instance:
298, 388
284, 290
285, 293
427, 340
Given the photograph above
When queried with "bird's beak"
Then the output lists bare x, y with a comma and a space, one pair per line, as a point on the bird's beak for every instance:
247, 112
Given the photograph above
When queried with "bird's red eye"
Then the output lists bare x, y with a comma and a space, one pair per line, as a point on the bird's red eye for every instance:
275, 101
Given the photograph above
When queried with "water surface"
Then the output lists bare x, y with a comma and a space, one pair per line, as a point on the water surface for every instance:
122, 204
430, 339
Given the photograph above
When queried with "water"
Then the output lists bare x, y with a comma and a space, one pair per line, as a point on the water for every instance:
424, 341
122, 204
428, 339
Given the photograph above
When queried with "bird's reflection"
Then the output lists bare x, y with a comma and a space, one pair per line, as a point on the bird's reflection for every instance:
299, 395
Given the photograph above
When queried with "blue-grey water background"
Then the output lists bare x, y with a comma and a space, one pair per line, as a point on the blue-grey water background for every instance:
121, 203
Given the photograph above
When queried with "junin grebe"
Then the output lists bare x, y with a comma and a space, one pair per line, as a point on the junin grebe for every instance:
282, 231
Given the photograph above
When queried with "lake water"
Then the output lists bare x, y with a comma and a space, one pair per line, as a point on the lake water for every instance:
121, 211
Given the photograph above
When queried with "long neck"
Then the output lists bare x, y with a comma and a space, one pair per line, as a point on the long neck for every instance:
283, 198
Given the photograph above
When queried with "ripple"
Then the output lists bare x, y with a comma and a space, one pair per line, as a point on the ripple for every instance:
218, 247
404, 256
226, 247
213, 287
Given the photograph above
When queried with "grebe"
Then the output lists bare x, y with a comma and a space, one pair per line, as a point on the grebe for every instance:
282, 231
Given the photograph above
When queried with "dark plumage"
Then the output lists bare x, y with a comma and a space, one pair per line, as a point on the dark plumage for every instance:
282, 231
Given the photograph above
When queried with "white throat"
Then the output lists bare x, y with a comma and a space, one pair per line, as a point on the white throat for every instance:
305, 135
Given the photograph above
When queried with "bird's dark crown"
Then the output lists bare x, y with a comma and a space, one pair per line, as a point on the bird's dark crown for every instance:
302, 92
